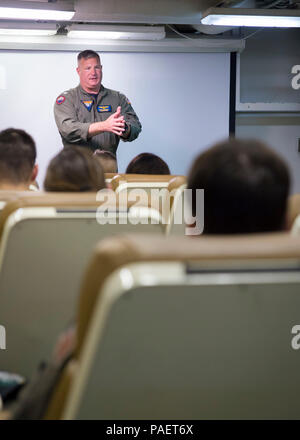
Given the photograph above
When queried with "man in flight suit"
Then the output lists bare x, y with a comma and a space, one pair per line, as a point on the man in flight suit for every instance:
92, 115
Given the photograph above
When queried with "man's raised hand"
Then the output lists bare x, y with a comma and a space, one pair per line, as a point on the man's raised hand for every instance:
115, 123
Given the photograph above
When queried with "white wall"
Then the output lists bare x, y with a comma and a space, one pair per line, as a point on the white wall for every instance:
182, 99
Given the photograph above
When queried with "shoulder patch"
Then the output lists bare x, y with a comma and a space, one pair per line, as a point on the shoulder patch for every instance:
60, 99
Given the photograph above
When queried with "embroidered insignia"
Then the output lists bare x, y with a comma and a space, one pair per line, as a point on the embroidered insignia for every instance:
103, 108
60, 100
88, 104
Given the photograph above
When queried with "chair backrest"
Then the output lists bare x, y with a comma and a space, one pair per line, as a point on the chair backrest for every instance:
293, 209
123, 182
7, 195
188, 329
108, 176
295, 228
45, 244
162, 192
176, 224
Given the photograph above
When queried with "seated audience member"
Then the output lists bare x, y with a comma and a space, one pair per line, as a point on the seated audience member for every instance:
33, 398
147, 163
107, 160
246, 186
17, 160
74, 169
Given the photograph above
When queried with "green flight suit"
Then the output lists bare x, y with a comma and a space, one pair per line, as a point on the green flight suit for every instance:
76, 109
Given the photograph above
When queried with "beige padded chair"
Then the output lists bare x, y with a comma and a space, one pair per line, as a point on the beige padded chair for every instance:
182, 328
108, 176
176, 222
293, 214
158, 191
293, 209
123, 182
7, 195
46, 240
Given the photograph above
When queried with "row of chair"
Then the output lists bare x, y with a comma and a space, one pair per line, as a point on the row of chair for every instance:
46, 240
186, 328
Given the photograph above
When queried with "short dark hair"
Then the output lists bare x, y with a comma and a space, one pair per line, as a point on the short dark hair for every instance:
74, 169
86, 54
147, 163
246, 186
108, 160
17, 156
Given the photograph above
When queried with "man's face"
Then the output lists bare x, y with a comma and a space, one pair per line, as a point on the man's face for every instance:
90, 74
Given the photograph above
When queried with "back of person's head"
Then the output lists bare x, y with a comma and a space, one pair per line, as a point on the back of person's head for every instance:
17, 158
74, 169
147, 163
246, 186
107, 160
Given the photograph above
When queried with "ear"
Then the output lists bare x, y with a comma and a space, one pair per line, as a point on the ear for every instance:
77, 70
34, 172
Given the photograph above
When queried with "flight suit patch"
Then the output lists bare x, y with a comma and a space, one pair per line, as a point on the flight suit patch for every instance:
103, 108
88, 104
60, 100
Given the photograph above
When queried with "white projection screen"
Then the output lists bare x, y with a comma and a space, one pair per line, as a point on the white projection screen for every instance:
182, 100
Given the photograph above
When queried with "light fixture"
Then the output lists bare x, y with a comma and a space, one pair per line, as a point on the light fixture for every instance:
285, 18
117, 32
17, 10
27, 29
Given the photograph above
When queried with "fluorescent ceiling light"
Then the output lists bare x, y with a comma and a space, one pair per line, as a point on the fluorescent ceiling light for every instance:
117, 32
17, 10
252, 17
27, 29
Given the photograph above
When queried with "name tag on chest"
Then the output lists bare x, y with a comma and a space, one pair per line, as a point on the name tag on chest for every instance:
103, 108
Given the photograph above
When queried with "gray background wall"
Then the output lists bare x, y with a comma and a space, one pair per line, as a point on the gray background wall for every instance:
182, 99
265, 66
268, 106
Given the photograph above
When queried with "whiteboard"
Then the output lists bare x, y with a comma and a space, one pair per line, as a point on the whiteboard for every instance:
181, 99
